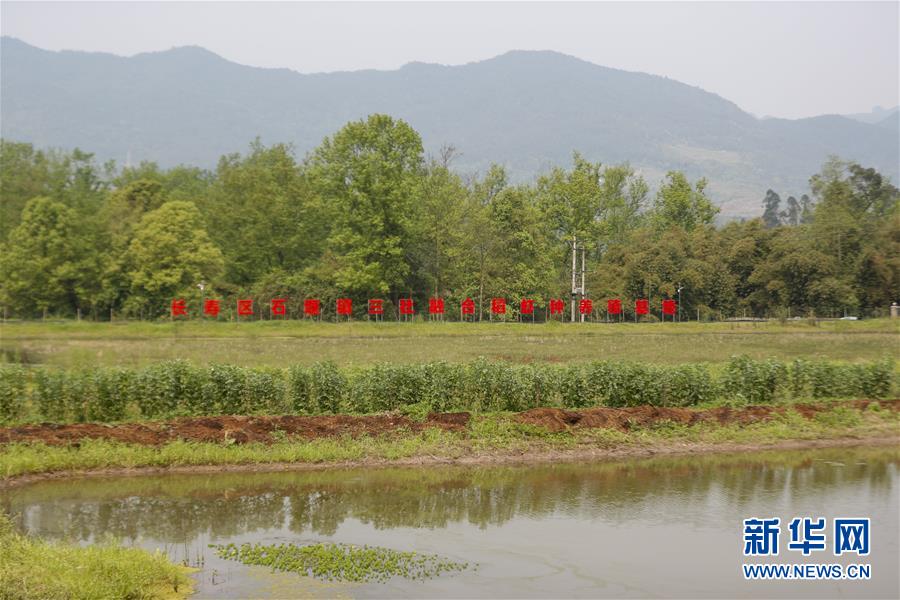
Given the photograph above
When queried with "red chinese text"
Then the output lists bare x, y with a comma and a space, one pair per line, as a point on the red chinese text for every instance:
526, 307
557, 306
211, 308
312, 307
344, 306
245, 307
435, 306
669, 307
179, 308
641, 307
614, 306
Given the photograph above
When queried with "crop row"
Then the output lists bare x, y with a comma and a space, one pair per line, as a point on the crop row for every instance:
180, 388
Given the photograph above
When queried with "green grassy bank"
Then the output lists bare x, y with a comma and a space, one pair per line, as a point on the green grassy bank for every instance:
488, 436
34, 569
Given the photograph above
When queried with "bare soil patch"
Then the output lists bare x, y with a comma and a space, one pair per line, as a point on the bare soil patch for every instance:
623, 419
231, 429
267, 429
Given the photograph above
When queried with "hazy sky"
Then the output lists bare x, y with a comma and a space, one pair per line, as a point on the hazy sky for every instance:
782, 59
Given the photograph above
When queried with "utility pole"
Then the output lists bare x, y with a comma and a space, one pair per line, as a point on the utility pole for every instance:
578, 292
202, 286
574, 292
583, 290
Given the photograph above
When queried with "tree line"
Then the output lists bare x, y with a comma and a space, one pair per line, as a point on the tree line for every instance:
368, 214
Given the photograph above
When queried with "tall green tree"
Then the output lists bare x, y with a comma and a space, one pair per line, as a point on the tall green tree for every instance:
170, 254
122, 212
263, 215
26, 173
368, 175
772, 209
520, 256
480, 240
437, 228
680, 204
48, 264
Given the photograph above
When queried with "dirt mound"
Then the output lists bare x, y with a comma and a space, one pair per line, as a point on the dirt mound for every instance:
554, 419
231, 429
623, 419
242, 430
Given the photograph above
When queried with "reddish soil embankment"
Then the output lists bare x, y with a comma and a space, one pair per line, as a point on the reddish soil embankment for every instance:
239, 429
623, 419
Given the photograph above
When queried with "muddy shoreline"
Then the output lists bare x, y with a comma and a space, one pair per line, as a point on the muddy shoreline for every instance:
485, 458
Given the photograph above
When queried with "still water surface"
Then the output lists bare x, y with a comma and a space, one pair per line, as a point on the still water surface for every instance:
643, 528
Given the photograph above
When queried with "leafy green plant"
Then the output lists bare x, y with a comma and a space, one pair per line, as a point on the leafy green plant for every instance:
111, 394
180, 388
417, 412
13, 386
757, 381
340, 562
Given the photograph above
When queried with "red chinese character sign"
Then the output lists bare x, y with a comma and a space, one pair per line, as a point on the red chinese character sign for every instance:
669, 307
211, 308
557, 306
526, 307
467, 308
436, 307
585, 306
407, 308
614, 306
179, 308
245, 308
641, 307
344, 307
312, 307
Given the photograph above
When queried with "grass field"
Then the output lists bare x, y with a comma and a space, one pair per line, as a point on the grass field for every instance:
272, 343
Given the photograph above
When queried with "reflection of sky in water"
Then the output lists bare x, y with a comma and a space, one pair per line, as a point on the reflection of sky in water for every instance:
661, 527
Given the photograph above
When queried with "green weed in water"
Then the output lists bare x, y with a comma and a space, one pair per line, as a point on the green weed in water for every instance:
340, 562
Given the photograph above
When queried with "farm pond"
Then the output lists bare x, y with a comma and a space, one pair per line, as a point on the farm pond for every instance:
669, 526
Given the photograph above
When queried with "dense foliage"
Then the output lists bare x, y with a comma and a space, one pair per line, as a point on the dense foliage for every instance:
367, 215
180, 388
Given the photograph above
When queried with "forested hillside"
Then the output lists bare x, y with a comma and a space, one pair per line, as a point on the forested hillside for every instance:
527, 111
367, 215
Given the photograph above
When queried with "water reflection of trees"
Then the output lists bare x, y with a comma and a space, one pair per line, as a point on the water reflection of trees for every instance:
178, 508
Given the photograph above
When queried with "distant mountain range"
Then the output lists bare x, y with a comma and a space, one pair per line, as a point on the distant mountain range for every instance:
526, 110
884, 117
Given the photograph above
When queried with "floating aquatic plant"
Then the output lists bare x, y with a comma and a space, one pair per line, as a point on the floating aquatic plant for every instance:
340, 562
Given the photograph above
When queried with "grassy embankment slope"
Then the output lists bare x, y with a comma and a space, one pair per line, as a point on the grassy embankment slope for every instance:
488, 438
275, 343
35, 569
